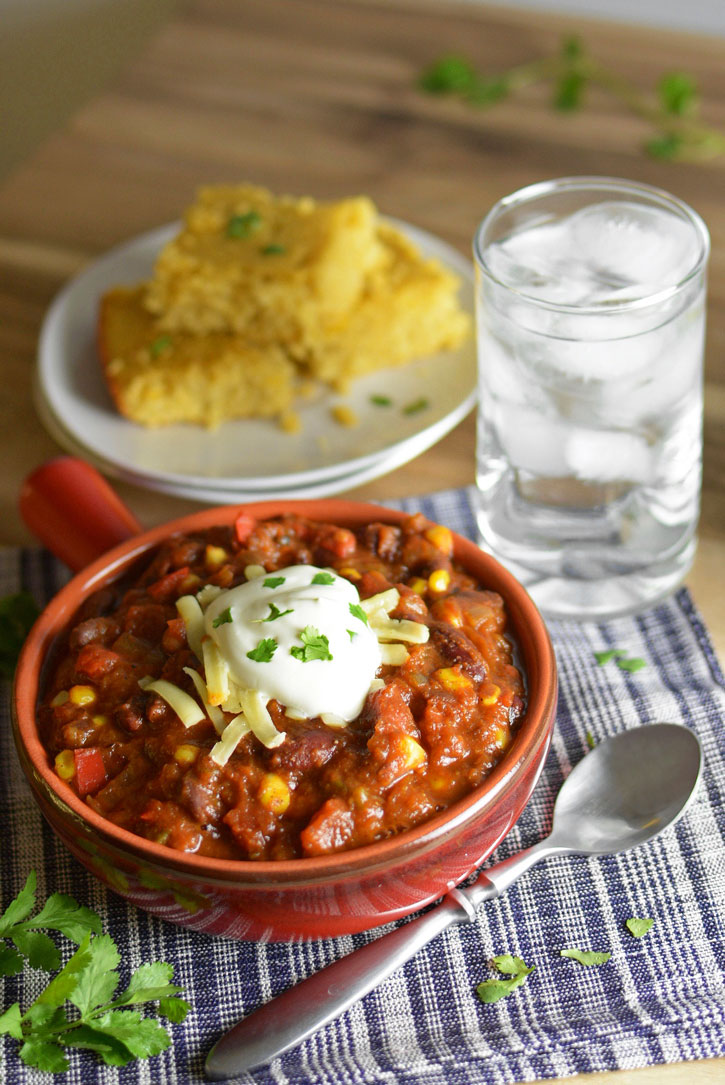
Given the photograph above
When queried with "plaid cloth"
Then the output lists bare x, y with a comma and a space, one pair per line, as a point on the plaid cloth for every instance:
659, 999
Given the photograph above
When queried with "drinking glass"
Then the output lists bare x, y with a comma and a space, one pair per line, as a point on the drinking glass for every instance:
590, 297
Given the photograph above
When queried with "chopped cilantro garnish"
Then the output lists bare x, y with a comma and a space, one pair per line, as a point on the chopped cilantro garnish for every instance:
493, 989
244, 225
273, 250
17, 614
416, 405
351, 634
607, 655
357, 612
631, 665
315, 645
274, 613
639, 927
590, 740
159, 345
588, 957
273, 581
323, 578
381, 401
224, 618
264, 650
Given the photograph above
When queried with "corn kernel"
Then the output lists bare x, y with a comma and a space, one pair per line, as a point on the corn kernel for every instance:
452, 679
214, 557
441, 538
65, 765
350, 574
502, 738
418, 585
492, 696
439, 580
59, 699
186, 754
100, 720
290, 422
190, 584
273, 793
412, 751
82, 695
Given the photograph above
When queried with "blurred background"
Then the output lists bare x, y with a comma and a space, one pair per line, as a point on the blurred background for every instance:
55, 54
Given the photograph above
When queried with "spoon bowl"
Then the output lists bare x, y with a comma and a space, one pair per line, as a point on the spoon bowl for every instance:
628, 790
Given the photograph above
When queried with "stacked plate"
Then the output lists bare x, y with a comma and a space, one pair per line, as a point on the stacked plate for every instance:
399, 412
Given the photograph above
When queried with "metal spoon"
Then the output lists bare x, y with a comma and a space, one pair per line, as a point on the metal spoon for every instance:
626, 791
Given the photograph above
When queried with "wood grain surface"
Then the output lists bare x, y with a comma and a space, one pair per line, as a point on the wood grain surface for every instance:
320, 97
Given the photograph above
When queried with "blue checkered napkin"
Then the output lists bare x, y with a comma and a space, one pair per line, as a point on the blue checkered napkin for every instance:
659, 999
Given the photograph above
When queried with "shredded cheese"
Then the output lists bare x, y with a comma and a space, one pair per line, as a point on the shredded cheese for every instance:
216, 672
193, 617
394, 655
208, 594
384, 600
386, 628
260, 722
185, 707
215, 714
234, 731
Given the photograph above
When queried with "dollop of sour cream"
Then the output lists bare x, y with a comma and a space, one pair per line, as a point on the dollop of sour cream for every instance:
297, 635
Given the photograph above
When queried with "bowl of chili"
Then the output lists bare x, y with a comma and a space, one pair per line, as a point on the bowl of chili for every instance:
299, 823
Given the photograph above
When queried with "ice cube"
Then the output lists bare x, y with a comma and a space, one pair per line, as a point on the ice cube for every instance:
608, 456
631, 250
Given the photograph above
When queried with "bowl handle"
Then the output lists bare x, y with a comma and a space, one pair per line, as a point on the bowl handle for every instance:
68, 505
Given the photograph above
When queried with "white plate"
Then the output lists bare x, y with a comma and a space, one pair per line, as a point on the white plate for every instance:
218, 495
249, 454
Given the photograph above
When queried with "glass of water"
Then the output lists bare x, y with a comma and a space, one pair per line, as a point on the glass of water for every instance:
591, 325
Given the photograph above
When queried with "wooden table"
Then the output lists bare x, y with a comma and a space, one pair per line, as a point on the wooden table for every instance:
319, 97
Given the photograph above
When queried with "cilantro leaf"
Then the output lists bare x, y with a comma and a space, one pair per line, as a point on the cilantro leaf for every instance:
245, 225
678, 94
225, 618
607, 655
40, 950
10, 1022
273, 581
351, 634
451, 74
631, 665
315, 646
357, 612
159, 345
173, 1009
264, 650
11, 962
491, 990
21, 907
639, 927
17, 614
586, 957
62, 913
274, 613
273, 250
416, 406
591, 742
43, 1055
568, 92
97, 980
381, 401
148, 982
323, 578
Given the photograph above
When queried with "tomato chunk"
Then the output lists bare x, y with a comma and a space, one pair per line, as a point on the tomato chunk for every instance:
90, 770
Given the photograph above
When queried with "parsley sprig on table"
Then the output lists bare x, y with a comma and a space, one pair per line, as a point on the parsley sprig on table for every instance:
671, 110
79, 1008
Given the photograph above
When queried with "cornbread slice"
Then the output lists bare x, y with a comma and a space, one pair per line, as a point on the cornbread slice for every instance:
157, 377
409, 309
276, 268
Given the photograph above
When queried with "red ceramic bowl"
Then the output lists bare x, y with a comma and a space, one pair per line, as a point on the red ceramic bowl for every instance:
303, 898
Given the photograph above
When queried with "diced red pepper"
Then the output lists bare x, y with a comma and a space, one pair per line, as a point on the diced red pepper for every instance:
243, 527
90, 770
170, 585
94, 661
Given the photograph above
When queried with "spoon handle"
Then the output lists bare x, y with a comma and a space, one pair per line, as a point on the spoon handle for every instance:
297, 1013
